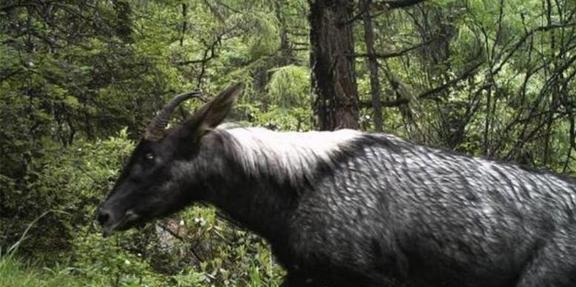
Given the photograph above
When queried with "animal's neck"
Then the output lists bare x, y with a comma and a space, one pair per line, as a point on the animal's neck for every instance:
267, 172
258, 205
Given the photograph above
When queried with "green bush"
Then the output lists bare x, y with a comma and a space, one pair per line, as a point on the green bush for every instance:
67, 188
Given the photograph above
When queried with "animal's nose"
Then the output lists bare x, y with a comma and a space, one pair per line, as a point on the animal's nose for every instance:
103, 217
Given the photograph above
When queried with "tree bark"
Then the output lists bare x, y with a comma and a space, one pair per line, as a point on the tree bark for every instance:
372, 67
333, 74
286, 52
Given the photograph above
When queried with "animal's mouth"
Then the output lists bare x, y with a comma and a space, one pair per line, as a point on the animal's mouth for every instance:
129, 219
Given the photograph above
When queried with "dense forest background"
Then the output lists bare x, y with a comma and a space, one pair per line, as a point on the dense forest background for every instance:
80, 79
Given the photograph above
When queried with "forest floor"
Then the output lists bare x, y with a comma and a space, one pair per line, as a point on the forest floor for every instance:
14, 273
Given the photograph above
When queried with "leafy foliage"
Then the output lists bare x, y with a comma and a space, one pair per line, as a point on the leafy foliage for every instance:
79, 79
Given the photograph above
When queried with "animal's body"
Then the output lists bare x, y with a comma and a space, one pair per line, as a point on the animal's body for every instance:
347, 208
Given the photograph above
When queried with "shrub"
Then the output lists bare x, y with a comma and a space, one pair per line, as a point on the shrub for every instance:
198, 249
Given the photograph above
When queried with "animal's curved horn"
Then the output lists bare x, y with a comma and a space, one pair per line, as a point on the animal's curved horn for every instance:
155, 130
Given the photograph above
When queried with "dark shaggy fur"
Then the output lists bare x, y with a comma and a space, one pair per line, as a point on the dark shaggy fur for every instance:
353, 209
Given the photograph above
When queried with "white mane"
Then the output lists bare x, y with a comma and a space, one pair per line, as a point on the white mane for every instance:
289, 156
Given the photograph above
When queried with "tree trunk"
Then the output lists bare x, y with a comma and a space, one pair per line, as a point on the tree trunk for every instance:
333, 77
286, 52
372, 63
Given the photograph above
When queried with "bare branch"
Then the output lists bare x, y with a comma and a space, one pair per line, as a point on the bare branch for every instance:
526, 36
395, 53
395, 4
430, 93
466, 74
9, 7
6, 75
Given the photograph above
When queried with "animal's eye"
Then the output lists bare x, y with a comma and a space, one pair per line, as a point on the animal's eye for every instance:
149, 156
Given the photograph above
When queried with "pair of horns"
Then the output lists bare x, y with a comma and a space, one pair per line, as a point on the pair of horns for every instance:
156, 129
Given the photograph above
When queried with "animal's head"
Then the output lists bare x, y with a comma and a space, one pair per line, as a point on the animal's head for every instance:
166, 170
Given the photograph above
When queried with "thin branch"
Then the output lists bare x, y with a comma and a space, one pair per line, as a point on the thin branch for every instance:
184, 23
395, 53
358, 16
432, 92
525, 37
381, 7
174, 234
463, 76
390, 5
229, 7
10, 74
7, 8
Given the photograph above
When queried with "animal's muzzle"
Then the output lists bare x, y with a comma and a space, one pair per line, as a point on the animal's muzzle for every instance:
104, 216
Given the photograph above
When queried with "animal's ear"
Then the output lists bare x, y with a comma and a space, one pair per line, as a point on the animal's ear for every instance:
213, 113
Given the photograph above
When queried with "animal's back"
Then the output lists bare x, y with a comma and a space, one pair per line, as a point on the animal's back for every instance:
392, 209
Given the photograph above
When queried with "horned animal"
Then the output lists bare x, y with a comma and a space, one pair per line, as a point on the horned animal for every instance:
348, 208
